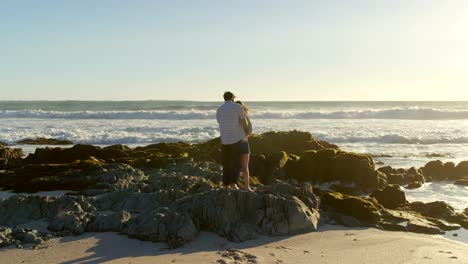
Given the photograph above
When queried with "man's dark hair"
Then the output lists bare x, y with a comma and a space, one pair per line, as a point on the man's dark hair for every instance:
228, 96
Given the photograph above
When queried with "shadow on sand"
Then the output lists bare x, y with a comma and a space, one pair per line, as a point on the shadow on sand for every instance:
112, 246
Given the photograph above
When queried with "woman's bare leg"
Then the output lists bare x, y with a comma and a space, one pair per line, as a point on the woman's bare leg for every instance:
245, 171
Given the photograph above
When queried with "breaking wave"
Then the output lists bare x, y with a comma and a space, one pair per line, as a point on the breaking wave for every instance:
193, 114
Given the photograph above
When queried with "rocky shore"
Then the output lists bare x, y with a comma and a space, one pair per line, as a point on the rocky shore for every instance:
169, 192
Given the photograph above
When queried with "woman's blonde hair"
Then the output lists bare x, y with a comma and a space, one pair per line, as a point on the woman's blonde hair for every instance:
246, 109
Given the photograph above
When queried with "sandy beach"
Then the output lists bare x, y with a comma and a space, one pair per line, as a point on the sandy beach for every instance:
334, 244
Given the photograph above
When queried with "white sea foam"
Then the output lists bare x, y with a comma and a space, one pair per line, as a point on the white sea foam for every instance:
412, 113
454, 195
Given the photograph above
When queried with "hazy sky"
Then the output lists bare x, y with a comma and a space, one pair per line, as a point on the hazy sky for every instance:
261, 50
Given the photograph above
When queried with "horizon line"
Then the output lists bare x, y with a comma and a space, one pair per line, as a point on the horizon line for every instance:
214, 101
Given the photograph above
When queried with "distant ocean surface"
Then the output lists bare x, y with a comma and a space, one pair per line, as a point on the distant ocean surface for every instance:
401, 134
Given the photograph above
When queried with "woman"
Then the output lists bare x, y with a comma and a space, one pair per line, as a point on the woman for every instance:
245, 151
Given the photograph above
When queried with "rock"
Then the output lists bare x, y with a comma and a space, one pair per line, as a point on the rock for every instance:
10, 158
180, 149
27, 236
291, 142
6, 237
9, 153
391, 197
414, 185
163, 225
294, 142
365, 210
268, 168
44, 141
440, 210
229, 212
462, 182
73, 222
330, 165
423, 226
109, 222
211, 171
304, 192
438, 170
21, 209
461, 170
185, 184
80, 175
402, 176
69, 155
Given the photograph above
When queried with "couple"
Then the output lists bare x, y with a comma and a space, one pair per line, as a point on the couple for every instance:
235, 128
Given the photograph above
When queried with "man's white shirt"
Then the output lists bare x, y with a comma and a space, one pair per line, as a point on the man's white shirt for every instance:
229, 116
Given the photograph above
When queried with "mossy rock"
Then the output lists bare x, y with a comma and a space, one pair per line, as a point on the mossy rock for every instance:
174, 149
329, 165
268, 167
292, 142
365, 210
11, 153
44, 141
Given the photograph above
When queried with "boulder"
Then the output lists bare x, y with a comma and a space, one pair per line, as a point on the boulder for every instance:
367, 211
403, 176
10, 158
291, 142
27, 236
294, 142
70, 222
437, 170
44, 141
6, 237
440, 210
390, 197
229, 213
109, 222
180, 149
461, 170
304, 192
330, 165
163, 225
267, 168
20, 209
79, 175
69, 155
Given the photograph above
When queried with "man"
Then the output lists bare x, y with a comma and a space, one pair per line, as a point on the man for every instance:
233, 127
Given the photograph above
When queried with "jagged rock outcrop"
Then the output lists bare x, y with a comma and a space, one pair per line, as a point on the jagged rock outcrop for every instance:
163, 225
231, 213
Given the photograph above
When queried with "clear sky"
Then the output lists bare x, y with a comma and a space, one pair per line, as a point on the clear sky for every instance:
260, 49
